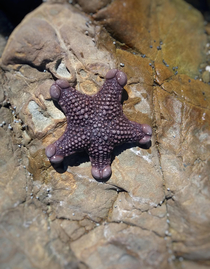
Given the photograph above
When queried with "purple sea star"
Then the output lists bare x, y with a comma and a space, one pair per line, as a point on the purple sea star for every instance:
95, 123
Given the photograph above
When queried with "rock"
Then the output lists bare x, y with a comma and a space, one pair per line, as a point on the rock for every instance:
154, 210
93, 6
185, 161
206, 76
120, 246
159, 31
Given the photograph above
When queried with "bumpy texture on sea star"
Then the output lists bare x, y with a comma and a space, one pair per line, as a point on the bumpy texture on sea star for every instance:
95, 123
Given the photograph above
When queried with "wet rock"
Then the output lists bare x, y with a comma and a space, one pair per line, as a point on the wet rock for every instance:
161, 32
154, 210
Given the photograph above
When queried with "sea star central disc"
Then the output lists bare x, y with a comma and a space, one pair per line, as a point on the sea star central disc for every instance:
95, 123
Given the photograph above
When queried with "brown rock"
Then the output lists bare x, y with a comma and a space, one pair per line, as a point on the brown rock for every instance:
183, 117
160, 31
26, 44
120, 246
92, 6
162, 73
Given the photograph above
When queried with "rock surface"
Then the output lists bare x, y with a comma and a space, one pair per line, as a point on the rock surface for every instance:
154, 210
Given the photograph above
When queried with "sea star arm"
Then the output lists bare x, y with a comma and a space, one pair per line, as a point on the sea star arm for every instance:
58, 91
121, 130
75, 137
124, 130
73, 140
112, 87
69, 100
101, 165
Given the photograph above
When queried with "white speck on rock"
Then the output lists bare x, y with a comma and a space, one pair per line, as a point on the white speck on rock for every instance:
139, 152
16, 204
208, 68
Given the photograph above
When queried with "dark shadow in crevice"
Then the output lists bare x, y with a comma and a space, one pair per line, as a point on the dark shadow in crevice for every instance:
116, 188
57, 106
203, 6
6, 27
124, 96
16, 10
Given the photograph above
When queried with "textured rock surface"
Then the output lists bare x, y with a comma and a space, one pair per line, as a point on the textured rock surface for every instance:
92, 6
154, 210
162, 30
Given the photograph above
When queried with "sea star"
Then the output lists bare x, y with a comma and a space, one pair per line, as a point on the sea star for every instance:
95, 123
